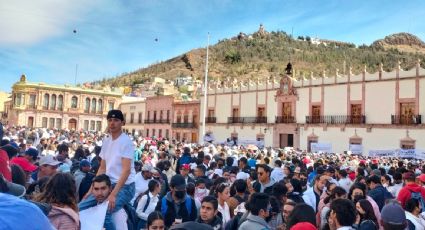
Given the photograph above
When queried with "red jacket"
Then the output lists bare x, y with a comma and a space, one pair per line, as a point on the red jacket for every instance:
4, 165
405, 192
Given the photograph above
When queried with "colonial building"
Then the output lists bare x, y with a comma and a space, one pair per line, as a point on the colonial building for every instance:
51, 106
186, 120
158, 117
134, 110
367, 111
241, 110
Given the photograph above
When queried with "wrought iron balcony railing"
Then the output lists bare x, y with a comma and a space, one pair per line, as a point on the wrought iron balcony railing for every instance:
231, 120
210, 120
285, 119
157, 121
336, 119
406, 120
184, 125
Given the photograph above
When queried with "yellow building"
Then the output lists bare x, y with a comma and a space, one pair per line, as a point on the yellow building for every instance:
52, 106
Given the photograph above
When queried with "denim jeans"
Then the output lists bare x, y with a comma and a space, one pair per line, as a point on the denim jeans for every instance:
123, 197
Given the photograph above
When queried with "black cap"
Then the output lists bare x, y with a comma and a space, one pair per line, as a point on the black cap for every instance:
320, 170
115, 113
178, 182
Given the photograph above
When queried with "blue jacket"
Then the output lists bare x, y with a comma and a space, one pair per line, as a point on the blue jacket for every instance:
380, 194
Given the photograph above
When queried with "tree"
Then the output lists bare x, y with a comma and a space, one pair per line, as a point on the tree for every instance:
233, 57
308, 38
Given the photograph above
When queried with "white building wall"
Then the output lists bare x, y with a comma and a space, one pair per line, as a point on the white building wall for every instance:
223, 108
211, 101
271, 106
377, 139
248, 108
407, 89
262, 98
355, 91
335, 101
221, 133
316, 94
302, 105
422, 98
379, 102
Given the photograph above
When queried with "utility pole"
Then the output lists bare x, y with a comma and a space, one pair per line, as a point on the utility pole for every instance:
204, 110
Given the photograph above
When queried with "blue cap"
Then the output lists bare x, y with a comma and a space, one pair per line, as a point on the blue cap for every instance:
84, 163
32, 152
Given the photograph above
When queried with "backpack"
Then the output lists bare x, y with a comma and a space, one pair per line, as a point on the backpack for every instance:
140, 223
418, 196
132, 218
164, 206
239, 199
85, 185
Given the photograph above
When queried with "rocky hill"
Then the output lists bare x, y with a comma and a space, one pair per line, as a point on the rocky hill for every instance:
263, 54
402, 41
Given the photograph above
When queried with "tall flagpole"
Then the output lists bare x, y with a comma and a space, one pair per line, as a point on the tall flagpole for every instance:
204, 111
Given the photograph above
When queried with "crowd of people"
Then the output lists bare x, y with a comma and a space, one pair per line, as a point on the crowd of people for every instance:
49, 176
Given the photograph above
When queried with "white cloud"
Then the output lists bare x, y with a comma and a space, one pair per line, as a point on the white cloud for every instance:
28, 22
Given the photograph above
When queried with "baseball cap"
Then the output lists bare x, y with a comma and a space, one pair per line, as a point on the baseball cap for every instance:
49, 160
115, 113
178, 182
421, 177
24, 164
185, 166
11, 151
33, 152
147, 167
303, 226
393, 213
84, 163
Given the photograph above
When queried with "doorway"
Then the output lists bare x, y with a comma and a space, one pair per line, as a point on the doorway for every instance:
286, 140
30, 122
72, 124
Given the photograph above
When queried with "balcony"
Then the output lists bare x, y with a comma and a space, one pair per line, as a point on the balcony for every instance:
335, 119
162, 121
210, 120
285, 119
406, 120
232, 120
184, 125
31, 107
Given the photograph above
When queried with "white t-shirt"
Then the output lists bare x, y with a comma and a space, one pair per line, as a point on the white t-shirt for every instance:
225, 212
113, 151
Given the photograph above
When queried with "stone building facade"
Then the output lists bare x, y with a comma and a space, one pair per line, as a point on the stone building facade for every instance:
50, 106
367, 111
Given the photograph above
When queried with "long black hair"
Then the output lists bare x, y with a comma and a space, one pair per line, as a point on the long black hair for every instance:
302, 213
152, 217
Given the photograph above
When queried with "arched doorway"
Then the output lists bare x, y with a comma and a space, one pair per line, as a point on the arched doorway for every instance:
72, 124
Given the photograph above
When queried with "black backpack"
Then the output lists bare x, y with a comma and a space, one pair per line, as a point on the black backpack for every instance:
85, 185
138, 222
132, 218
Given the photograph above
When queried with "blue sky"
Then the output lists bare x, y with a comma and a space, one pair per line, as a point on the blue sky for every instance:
113, 36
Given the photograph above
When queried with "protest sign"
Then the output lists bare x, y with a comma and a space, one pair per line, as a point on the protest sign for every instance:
321, 147
93, 218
